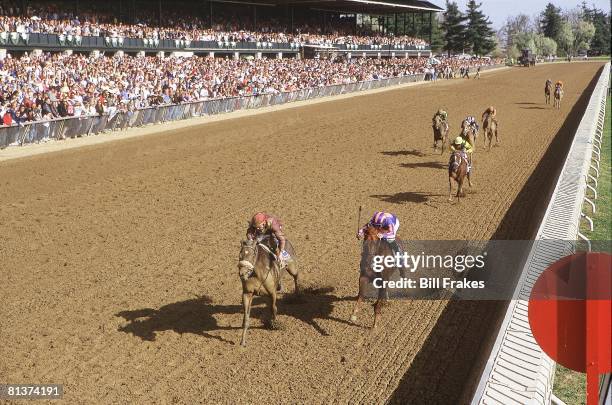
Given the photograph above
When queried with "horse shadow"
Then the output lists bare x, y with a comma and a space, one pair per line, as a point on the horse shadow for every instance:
426, 165
412, 152
533, 108
197, 315
406, 197
313, 304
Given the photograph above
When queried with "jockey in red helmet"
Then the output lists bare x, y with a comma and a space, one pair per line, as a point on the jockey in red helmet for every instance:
263, 224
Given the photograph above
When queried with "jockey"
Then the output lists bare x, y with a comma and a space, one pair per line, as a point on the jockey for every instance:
461, 145
388, 224
442, 114
548, 82
471, 120
559, 85
490, 111
267, 225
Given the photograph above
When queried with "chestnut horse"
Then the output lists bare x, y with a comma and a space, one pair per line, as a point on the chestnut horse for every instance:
558, 97
489, 126
469, 134
373, 246
457, 171
260, 273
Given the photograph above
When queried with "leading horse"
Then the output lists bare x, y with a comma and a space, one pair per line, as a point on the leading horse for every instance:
260, 273
490, 128
558, 97
373, 246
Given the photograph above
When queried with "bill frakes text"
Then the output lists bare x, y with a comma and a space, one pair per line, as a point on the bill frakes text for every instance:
427, 283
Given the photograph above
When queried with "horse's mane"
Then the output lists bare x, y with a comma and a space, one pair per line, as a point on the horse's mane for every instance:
371, 233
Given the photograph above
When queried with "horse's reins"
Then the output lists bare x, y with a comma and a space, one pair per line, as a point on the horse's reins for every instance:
251, 266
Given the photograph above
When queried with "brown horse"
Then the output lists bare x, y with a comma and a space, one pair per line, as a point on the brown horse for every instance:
490, 128
548, 89
440, 132
558, 97
373, 246
469, 134
457, 171
260, 273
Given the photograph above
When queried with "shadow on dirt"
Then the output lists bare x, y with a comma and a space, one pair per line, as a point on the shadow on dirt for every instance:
406, 197
197, 316
426, 165
463, 336
533, 108
412, 152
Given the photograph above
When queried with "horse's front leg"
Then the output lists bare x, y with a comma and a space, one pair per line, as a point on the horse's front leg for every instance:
450, 188
360, 293
247, 299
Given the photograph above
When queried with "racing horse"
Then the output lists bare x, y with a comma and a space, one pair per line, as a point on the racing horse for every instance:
260, 273
548, 89
558, 96
373, 246
489, 126
457, 171
469, 133
440, 132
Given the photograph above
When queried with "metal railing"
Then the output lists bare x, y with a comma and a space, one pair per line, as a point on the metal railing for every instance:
517, 370
71, 127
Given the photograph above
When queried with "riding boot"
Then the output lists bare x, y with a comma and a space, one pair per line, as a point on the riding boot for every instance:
279, 287
395, 247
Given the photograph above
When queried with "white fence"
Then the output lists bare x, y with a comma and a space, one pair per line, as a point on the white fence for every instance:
518, 371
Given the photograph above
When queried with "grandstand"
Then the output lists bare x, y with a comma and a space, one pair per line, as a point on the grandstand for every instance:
273, 27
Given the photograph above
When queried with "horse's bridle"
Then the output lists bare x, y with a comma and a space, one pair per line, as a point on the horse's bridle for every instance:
245, 263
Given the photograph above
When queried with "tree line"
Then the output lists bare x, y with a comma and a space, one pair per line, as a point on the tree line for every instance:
552, 32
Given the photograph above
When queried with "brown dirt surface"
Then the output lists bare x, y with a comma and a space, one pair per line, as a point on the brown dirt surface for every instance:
118, 261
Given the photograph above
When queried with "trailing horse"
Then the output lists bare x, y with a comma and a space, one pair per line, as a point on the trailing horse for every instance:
558, 97
440, 132
260, 274
548, 89
457, 171
373, 246
489, 126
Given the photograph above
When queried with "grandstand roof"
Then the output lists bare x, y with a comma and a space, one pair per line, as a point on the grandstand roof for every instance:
350, 6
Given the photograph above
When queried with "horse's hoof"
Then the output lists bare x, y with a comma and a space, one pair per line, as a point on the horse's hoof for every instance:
353, 318
243, 343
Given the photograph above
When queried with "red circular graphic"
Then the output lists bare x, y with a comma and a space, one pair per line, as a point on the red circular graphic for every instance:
570, 313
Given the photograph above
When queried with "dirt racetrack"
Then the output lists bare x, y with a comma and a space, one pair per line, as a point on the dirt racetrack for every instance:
118, 262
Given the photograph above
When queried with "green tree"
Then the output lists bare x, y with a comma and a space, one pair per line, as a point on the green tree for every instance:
584, 32
600, 43
454, 30
546, 46
437, 36
479, 36
550, 21
565, 38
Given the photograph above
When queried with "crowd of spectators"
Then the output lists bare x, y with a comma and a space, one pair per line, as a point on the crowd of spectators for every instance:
55, 20
48, 86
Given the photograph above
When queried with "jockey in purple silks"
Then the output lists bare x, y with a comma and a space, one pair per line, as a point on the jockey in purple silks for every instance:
388, 224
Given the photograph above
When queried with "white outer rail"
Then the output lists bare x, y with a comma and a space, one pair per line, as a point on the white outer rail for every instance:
517, 370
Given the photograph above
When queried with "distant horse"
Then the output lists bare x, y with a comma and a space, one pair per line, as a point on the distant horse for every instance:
440, 132
548, 89
490, 128
558, 97
457, 171
373, 246
260, 273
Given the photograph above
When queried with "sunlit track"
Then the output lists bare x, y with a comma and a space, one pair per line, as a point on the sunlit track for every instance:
91, 236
